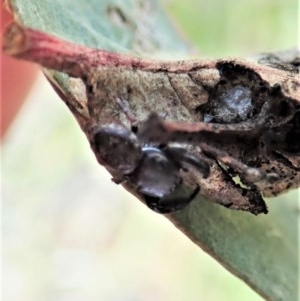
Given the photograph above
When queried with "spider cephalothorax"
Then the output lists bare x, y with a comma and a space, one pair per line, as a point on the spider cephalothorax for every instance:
154, 170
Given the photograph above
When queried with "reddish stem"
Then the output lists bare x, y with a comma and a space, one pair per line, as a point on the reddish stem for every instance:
54, 53
75, 60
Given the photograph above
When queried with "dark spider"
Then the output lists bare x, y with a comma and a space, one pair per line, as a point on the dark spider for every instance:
152, 169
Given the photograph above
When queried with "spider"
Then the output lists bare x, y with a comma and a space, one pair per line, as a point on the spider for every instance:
236, 158
154, 170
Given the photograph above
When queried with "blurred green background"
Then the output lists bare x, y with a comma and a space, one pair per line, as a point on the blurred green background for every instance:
221, 28
69, 233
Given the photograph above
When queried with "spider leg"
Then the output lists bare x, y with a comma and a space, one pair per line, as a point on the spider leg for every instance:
124, 106
186, 159
249, 174
171, 203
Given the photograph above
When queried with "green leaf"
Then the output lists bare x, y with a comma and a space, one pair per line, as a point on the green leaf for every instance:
263, 250
121, 26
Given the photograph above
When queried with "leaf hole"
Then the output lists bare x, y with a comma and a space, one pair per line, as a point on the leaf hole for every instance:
129, 90
134, 129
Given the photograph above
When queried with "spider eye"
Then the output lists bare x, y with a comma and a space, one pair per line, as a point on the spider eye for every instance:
117, 148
